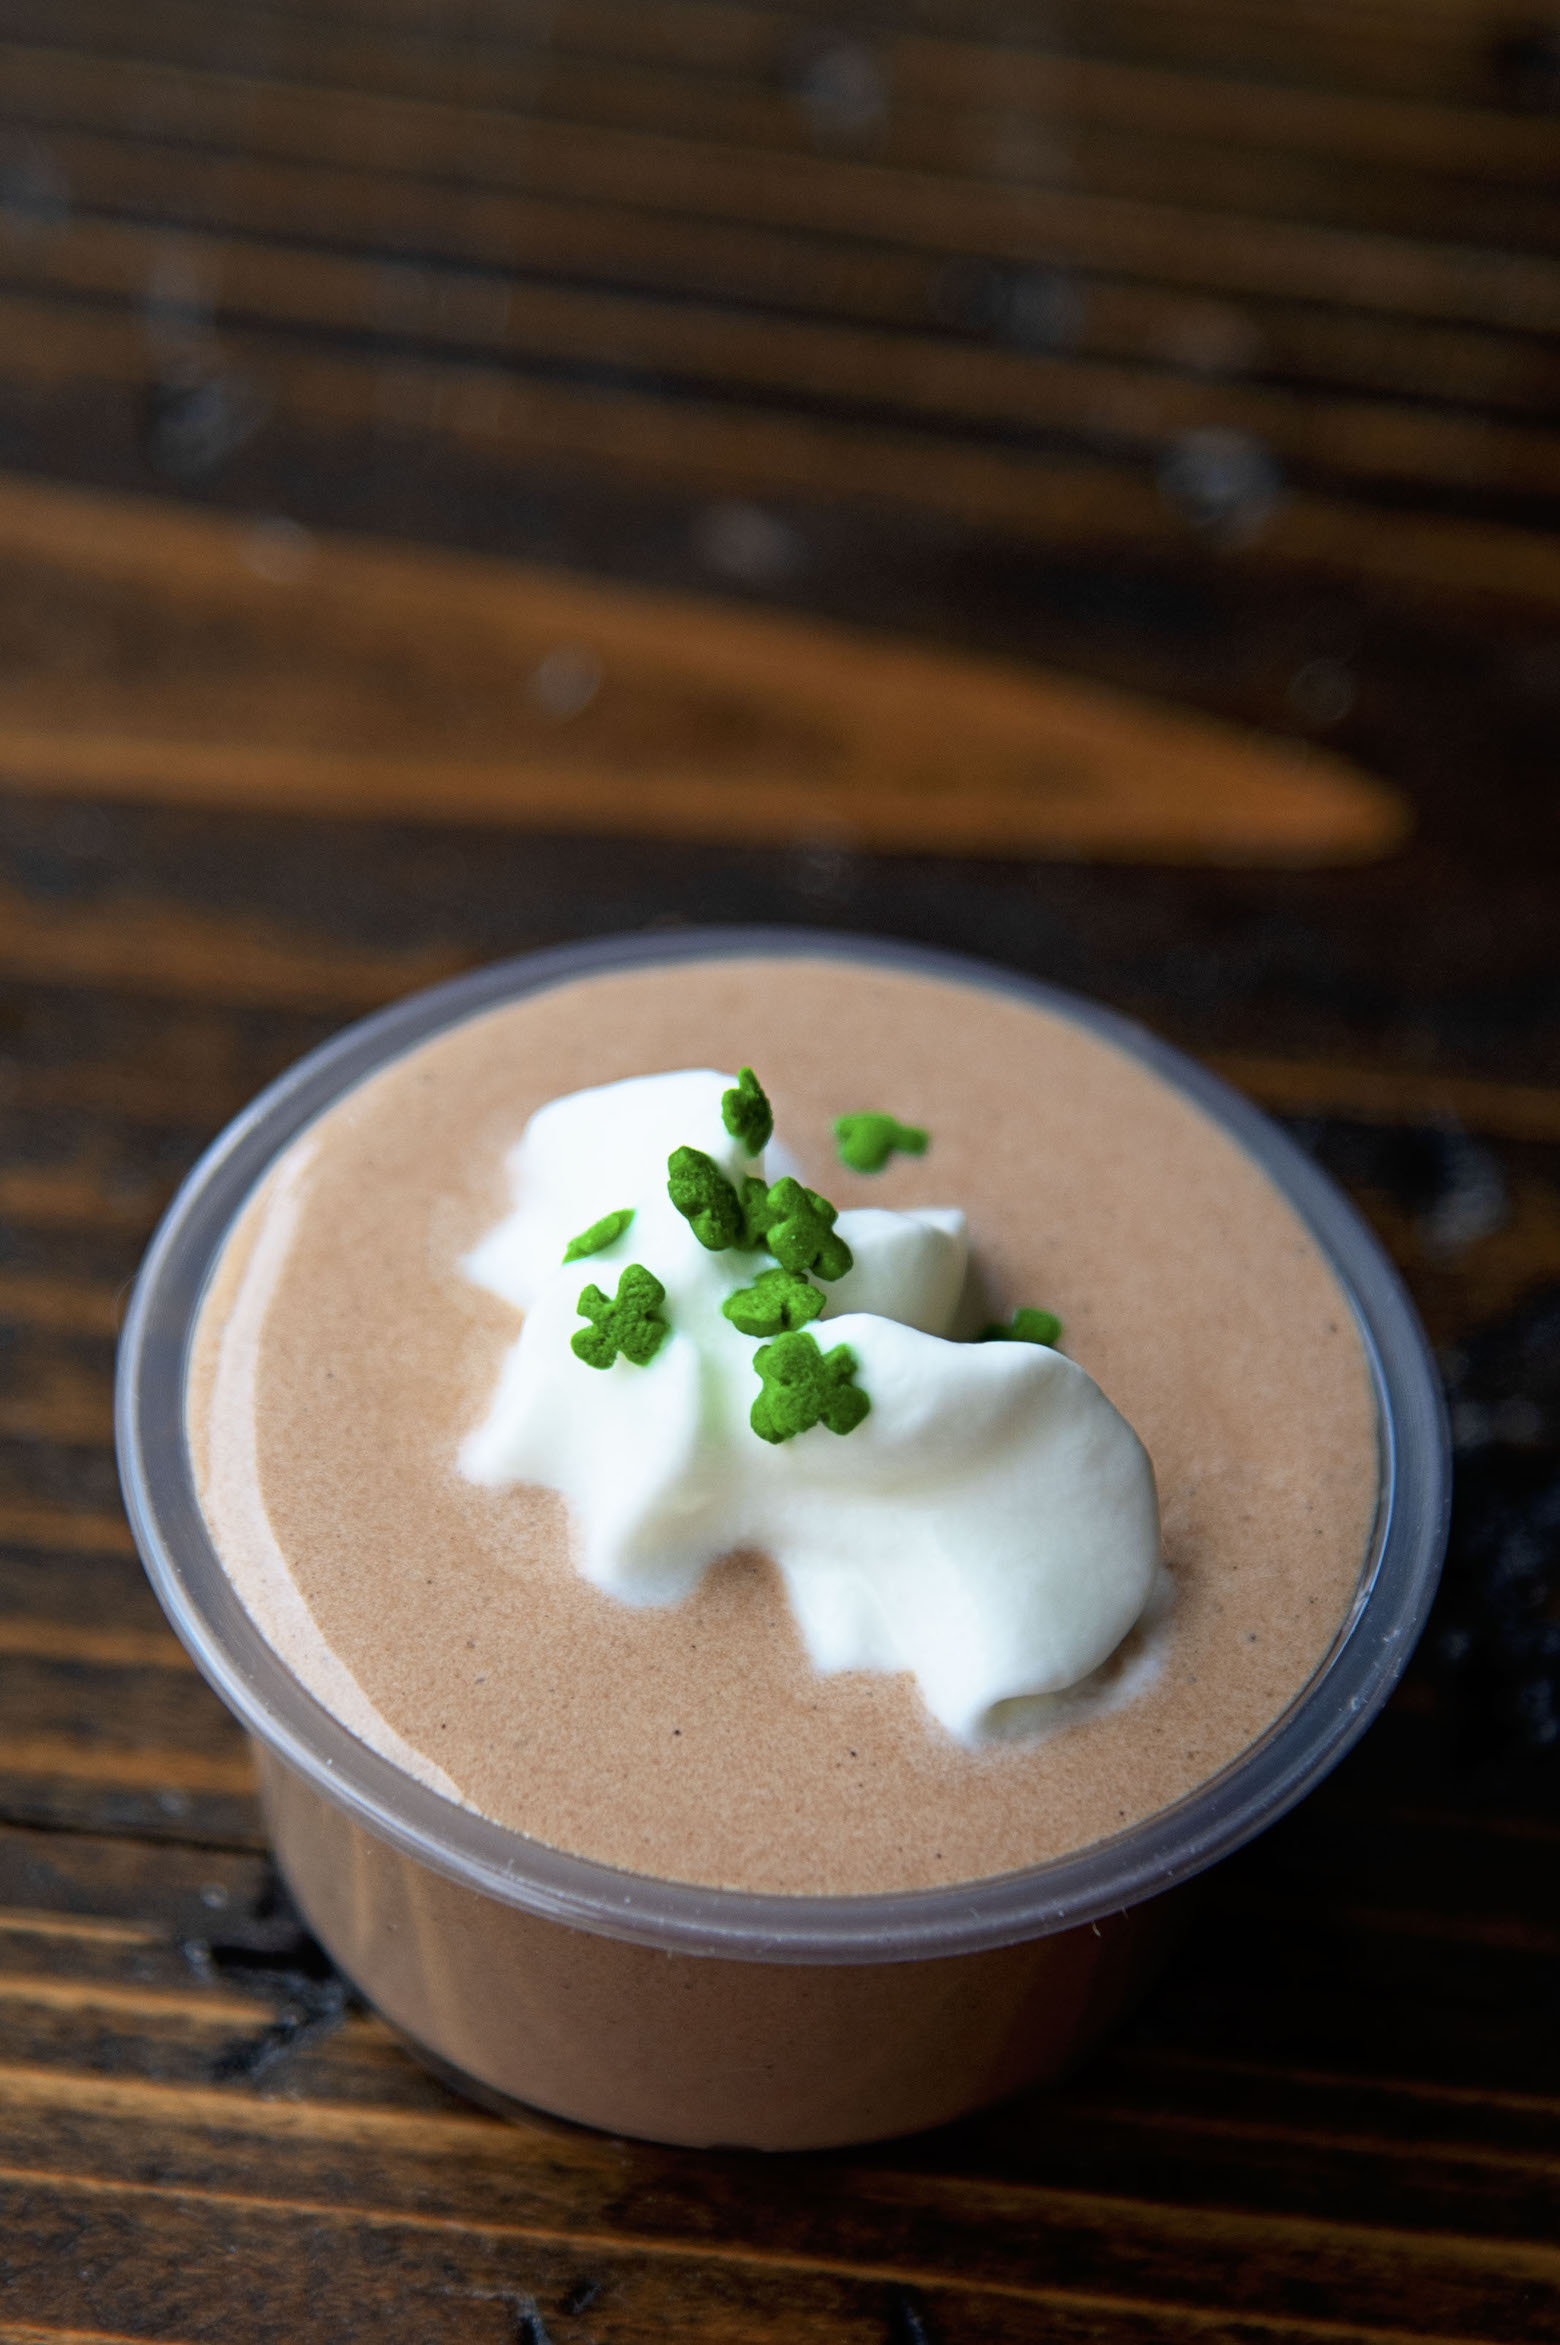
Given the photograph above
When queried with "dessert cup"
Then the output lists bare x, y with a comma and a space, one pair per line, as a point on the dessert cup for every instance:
527, 1974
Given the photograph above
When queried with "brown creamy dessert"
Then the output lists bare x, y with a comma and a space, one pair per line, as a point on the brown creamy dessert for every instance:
696, 1743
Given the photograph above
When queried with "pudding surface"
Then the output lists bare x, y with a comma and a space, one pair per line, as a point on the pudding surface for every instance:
696, 1742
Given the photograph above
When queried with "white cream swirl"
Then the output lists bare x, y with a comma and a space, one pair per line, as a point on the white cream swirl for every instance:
991, 1524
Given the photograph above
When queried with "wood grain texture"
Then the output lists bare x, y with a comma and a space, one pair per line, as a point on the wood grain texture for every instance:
947, 107
1116, 405
1035, 486
957, 106
1106, 317
1393, 1096
560, 65
602, 239
409, 409
1337, 2122
368, 684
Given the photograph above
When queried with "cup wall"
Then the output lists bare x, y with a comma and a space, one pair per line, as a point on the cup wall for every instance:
689, 2048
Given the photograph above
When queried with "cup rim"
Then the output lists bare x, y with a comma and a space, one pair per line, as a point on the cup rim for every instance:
1323, 1721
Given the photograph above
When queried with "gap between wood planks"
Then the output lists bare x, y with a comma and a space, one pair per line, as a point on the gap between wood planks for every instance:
214, 958
205, 2109
878, 194
1434, 55
1185, 2315
1168, 2315
708, 261
953, 382
212, 2008
723, 448
695, 719
429, 225
933, 75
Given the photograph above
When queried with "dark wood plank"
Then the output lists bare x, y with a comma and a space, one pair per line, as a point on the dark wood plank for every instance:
184, 191
942, 99
414, 413
584, 294
965, 386
163, 947
1292, 2142
423, 690
475, 2187
803, 191
1445, 52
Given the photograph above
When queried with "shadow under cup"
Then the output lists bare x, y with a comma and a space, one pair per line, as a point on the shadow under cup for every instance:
701, 2015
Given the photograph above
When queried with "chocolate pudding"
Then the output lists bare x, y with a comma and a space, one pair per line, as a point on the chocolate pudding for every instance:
445, 1623
649, 1868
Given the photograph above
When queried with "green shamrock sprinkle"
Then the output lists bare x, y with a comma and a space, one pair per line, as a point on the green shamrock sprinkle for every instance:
758, 1215
1028, 1326
866, 1142
801, 1231
803, 1387
746, 1113
632, 1324
600, 1235
775, 1303
705, 1199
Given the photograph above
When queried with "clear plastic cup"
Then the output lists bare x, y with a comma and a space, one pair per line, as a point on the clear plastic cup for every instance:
654, 2007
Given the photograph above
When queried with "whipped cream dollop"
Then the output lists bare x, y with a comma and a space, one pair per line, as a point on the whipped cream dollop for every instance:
990, 1524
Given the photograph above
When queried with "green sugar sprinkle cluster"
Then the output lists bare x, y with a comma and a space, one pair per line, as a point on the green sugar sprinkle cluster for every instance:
600, 1235
800, 1384
866, 1142
796, 1225
804, 1386
630, 1323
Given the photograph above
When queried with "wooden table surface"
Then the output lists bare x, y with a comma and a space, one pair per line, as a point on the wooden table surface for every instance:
1079, 485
